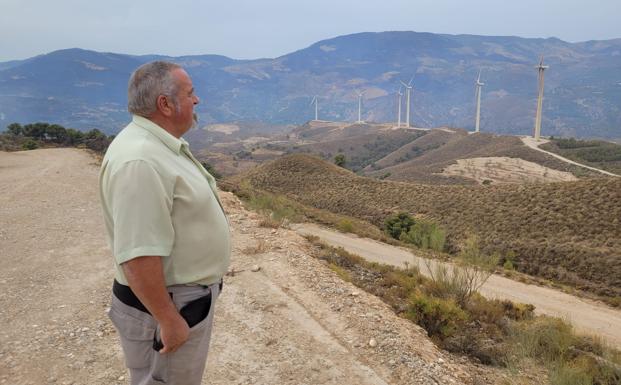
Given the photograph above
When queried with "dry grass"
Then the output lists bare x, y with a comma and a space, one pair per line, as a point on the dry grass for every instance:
568, 232
259, 248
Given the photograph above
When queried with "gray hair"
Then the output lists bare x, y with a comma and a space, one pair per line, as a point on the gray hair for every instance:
147, 83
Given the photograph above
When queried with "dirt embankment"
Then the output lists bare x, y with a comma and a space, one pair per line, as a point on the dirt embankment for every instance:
292, 322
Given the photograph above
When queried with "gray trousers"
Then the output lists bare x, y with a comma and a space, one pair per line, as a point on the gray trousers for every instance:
136, 330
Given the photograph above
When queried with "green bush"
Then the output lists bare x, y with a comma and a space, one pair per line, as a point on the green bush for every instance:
397, 224
345, 226
30, 144
440, 317
426, 235
339, 160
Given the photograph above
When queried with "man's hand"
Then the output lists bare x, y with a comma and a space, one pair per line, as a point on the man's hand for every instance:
174, 333
146, 279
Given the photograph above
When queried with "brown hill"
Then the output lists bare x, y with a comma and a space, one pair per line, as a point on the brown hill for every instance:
425, 158
566, 231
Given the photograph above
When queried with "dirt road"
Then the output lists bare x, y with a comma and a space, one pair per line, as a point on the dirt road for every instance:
532, 143
292, 322
587, 316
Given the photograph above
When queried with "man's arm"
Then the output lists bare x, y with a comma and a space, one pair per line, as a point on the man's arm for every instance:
146, 279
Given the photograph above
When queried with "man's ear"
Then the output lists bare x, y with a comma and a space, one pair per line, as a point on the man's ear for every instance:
164, 105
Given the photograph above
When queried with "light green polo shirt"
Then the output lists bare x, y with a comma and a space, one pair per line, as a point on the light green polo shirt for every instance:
158, 200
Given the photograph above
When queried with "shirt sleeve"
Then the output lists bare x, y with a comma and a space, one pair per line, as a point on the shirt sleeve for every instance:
141, 205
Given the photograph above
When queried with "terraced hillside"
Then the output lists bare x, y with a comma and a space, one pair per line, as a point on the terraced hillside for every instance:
568, 231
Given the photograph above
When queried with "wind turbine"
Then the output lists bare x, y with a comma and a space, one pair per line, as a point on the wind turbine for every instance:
399, 108
360, 106
478, 98
407, 108
315, 100
537, 129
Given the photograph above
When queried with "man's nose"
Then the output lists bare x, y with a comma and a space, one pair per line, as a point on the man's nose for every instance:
196, 100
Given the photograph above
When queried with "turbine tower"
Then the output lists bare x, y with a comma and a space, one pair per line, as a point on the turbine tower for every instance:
399, 94
540, 68
316, 108
360, 106
478, 99
407, 108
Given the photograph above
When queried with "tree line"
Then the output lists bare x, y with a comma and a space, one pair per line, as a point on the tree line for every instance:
36, 134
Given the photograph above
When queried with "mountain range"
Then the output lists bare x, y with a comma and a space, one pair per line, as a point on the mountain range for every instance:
86, 89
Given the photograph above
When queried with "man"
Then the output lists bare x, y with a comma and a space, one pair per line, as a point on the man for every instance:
167, 230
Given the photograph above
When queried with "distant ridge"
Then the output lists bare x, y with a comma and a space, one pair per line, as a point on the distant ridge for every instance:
86, 89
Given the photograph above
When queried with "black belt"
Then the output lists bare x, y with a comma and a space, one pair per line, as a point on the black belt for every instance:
126, 295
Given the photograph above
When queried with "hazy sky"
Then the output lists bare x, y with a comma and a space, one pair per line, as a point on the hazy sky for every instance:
245, 29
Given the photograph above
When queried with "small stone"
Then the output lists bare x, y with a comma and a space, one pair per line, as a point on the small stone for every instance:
255, 268
121, 378
355, 294
372, 342
85, 329
440, 361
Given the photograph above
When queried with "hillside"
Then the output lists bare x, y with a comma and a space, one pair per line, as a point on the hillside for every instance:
568, 232
424, 159
85, 89
596, 153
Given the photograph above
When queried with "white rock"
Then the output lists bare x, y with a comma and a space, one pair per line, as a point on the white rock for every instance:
255, 268
372, 342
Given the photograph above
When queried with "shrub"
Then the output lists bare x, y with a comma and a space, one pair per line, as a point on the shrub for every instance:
339, 160
276, 208
544, 338
426, 235
462, 281
30, 144
397, 224
440, 317
345, 226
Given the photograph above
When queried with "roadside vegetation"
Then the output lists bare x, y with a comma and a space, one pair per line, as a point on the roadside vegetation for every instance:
496, 333
46, 135
595, 153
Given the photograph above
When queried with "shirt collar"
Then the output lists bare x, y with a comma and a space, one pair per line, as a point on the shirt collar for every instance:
174, 144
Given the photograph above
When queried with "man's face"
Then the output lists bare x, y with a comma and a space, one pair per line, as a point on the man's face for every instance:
183, 115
